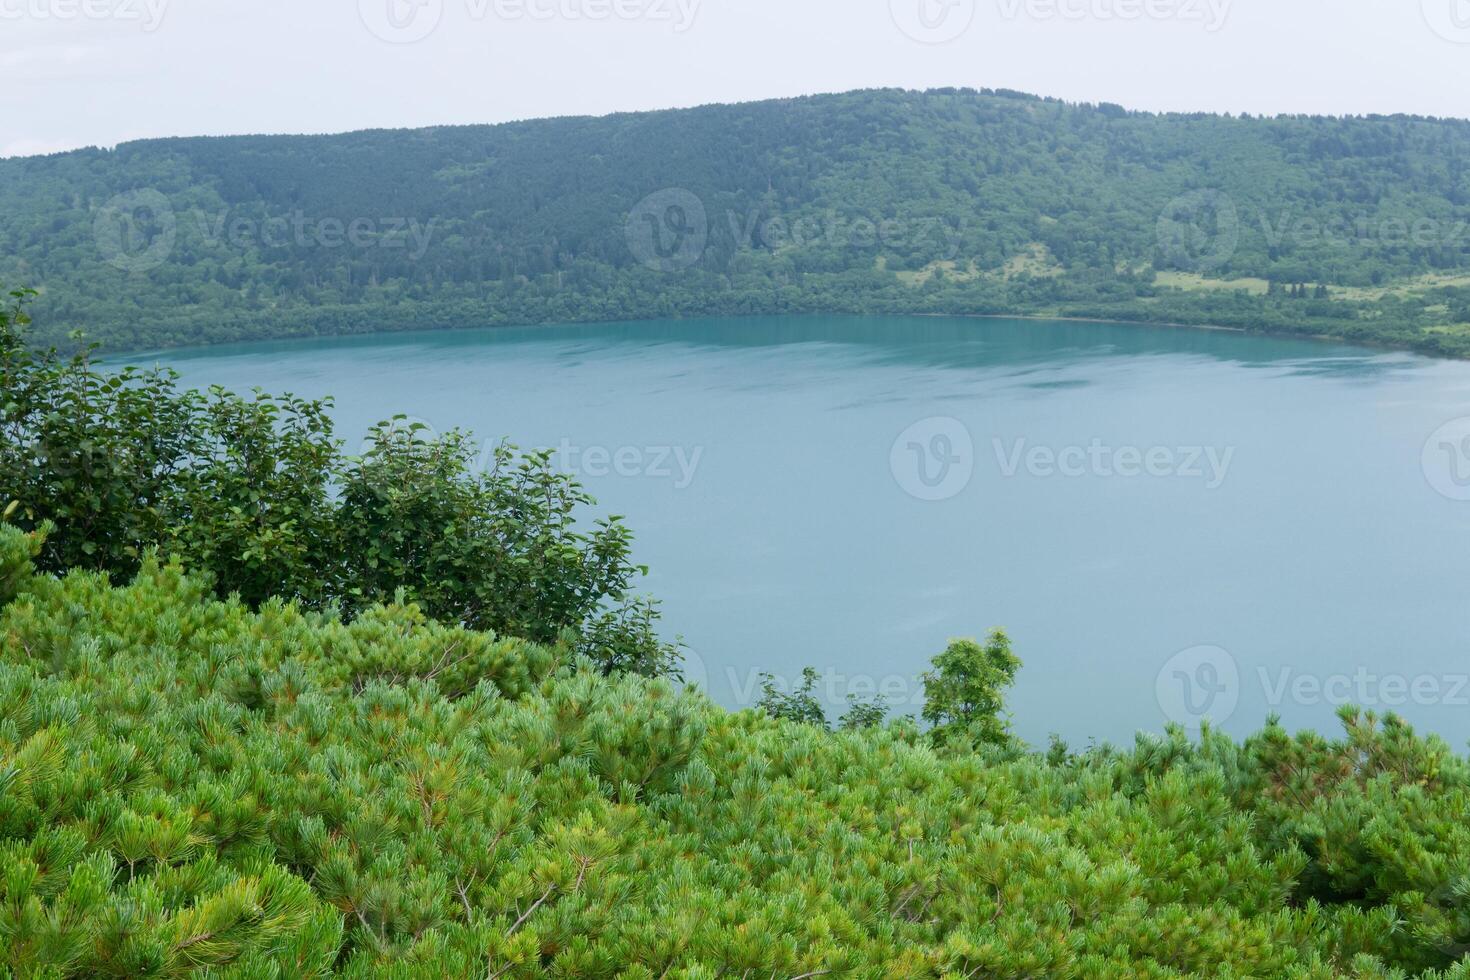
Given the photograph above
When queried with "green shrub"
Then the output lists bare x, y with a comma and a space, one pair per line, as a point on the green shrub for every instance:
256, 493
497, 550
190, 787
798, 705
18, 551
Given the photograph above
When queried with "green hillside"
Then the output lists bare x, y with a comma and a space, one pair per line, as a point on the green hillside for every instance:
867, 202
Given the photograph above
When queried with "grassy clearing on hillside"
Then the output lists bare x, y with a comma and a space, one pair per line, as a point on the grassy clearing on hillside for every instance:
1192, 282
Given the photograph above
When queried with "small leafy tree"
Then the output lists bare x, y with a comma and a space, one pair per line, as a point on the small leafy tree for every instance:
497, 550
624, 639
800, 705
864, 714
964, 698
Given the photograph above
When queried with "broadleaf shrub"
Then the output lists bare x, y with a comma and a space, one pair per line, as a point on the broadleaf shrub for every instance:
256, 493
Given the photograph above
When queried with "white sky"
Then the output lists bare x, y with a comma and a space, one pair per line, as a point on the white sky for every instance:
80, 72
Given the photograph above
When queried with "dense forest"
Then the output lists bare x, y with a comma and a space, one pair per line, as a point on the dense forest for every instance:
951, 201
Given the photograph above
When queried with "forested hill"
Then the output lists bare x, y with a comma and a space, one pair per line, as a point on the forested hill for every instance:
950, 201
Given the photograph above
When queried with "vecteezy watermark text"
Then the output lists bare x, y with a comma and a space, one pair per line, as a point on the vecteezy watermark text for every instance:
408, 21
934, 459
1211, 14
300, 230
1363, 687
1205, 684
1201, 231
836, 229
138, 230
1364, 231
677, 464
941, 21
1208, 463
147, 13
745, 686
670, 229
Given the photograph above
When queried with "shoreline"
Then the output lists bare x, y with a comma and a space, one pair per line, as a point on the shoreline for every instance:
1172, 324
1121, 323
123, 354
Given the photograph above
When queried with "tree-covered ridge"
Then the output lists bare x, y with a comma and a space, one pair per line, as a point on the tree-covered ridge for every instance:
190, 787
870, 202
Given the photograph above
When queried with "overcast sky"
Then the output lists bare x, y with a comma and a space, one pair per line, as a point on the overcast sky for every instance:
81, 72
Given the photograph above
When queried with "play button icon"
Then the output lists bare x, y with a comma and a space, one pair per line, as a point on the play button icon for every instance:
1450, 19
401, 21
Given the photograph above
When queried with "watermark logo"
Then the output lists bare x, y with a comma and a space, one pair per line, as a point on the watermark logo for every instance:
694, 672
1366, 231
1208, 464
679, 13
933, 21
1446, 459
409, 21
1199, 231
401, 21
300, 230
668, 230
135, 231
837, 230
933, 459
1210, 13
832, 686
1201, 684
676, 465
1204, 683
148, 13
1364, 688
138, 231
1450, 19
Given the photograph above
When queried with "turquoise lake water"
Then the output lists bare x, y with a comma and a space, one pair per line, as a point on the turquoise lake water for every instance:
1172, 524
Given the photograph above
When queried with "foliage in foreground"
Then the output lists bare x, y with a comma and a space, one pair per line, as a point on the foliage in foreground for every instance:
256, 493
187, 786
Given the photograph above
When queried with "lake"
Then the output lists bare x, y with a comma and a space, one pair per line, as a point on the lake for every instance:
1172, 524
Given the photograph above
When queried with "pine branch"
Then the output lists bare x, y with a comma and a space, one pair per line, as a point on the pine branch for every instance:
534, 906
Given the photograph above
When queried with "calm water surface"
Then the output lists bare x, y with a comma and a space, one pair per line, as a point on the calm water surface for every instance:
1170, 523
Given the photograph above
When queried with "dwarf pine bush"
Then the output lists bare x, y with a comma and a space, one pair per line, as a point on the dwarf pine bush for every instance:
189, 786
